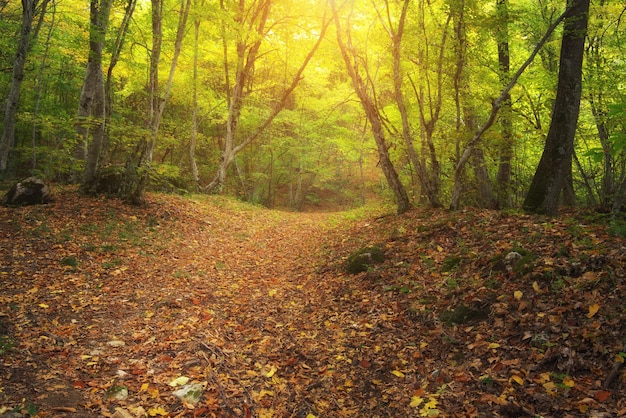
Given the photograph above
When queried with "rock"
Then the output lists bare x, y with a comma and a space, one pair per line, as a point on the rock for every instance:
32, 191
190, 394
364, 259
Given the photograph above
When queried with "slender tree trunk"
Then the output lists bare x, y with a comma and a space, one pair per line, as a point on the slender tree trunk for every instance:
178, 44
147, 147
8, 134
429, 100
373, 116
194, 115
91, 112
506, 146
556, 160
40, 88
108, 89
424, 178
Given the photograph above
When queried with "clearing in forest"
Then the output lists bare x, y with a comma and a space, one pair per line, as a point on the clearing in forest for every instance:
209, 307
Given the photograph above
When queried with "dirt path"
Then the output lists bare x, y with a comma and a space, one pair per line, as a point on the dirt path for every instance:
106, 298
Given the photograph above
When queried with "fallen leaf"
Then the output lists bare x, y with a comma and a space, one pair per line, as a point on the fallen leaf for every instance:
416, 401
602, 395
397, 373
179, 381
593, 309
569, 382
518, 294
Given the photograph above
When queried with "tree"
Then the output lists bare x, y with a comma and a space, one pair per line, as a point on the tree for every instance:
8, 133
353, 62
556, 160
92, 97
506, 145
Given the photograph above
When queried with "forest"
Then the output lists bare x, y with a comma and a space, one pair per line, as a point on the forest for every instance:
307, 104
313, 208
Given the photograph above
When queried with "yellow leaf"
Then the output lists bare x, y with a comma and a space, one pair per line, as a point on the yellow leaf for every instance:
593, 309
270, 372
179, 381
157, 411
43, 305
550, 388
536, 287
569, 382
310, 415
144, 387
494, 345
416, 401
397, 373
518, 294
272, 292
517, 379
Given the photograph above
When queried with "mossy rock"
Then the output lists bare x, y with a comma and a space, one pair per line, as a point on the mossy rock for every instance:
463, 314
522, 261
364, 259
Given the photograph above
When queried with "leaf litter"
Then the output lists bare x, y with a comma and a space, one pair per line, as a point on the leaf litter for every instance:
210, 307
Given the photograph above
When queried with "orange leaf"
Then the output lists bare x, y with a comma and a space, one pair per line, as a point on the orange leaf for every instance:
602, 396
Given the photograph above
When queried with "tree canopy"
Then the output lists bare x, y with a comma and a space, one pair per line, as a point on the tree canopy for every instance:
303, 104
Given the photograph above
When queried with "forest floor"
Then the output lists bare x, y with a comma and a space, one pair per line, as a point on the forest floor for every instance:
108, 309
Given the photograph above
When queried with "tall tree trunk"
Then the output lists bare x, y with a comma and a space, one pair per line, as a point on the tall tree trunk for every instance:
8, 134
556, 160
147, 146
108, 89
92, 92
374, 118
40, 88
194, 115
506, 146
429, 100
178, 44
424, 178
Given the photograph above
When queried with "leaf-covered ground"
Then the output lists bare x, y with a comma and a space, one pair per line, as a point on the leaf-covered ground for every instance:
107, 309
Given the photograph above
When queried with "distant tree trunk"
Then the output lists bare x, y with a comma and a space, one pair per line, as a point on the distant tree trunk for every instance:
194, 115
91, 103
39, 88
8, 134
374, 118
180, 34
429, 102
556, 160
506, 145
